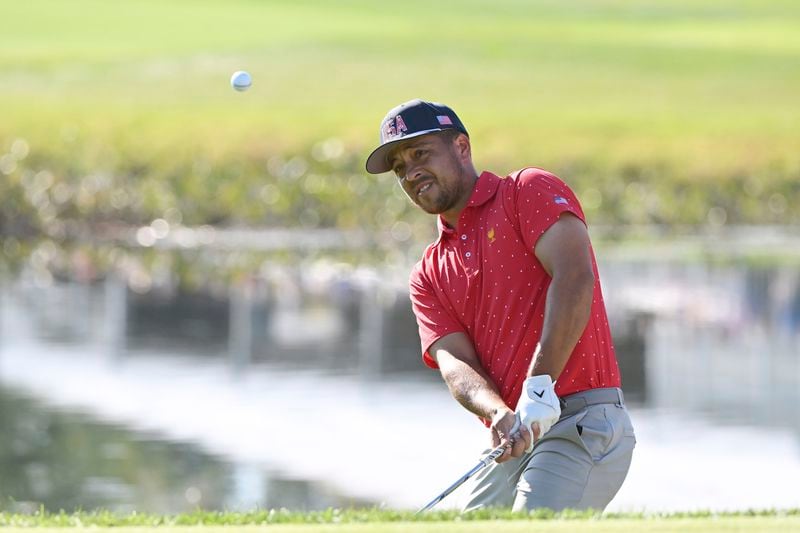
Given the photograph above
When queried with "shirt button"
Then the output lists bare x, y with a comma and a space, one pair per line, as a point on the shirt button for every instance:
463, 237
468, 254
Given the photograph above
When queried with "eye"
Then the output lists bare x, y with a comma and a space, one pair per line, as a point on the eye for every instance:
419, 152
399, 171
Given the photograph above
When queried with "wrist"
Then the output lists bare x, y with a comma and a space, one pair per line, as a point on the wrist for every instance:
499, 412
549, 364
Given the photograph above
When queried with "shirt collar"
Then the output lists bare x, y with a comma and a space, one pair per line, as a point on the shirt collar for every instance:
483, 191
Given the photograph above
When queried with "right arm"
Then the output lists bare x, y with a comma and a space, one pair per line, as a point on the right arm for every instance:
472, 388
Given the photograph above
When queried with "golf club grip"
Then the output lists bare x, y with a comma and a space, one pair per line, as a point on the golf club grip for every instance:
493, 455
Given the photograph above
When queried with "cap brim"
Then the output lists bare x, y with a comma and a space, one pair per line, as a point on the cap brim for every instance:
377, 162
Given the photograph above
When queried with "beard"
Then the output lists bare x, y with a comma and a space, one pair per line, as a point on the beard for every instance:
443, 197
439, 200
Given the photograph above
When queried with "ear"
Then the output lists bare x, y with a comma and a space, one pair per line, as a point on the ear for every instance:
463, 147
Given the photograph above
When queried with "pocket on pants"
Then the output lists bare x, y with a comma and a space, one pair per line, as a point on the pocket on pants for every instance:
566, 428
597, 432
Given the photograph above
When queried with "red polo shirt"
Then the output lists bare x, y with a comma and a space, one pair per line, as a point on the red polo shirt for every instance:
485, 280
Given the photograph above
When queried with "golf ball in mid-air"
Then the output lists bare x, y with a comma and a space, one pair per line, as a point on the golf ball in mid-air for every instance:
241, 80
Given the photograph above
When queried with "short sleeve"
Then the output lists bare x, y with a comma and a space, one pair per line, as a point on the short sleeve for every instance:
540, 199
433, 319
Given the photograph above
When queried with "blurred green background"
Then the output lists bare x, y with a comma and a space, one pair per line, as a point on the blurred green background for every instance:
680, 114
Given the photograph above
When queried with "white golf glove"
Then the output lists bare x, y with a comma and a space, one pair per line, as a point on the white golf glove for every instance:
538, 403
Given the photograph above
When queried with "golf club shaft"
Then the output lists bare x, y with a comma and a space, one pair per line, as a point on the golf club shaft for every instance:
483, 463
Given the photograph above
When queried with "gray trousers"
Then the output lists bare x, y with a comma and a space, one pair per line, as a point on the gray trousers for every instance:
579, 464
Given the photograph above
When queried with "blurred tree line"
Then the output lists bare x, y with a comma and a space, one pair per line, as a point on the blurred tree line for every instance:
92, 194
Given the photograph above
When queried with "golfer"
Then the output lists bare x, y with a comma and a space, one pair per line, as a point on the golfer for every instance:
510, 310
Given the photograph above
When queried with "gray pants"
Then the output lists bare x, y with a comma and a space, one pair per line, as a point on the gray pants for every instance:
579, 464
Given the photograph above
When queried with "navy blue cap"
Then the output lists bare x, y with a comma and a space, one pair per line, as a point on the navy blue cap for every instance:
408, 120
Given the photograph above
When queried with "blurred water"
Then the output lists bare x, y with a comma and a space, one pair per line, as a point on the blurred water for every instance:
162, 403
65, 457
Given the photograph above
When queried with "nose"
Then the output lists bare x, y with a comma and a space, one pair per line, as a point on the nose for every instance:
412, 174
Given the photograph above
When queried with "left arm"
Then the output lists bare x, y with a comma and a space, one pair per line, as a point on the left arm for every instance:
564, 251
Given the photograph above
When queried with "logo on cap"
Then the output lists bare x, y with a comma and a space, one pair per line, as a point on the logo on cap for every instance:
395, 127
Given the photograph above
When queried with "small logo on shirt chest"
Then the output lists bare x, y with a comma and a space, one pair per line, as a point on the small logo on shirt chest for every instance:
490, 235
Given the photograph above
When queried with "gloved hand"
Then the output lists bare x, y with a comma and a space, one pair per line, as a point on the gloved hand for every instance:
538, 403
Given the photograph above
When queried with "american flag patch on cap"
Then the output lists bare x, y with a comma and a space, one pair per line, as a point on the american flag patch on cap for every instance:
444, 120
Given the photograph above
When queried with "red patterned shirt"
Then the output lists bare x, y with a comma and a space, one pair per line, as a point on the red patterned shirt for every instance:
484, 280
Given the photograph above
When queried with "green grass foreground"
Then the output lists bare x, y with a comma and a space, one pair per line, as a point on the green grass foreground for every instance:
369, 521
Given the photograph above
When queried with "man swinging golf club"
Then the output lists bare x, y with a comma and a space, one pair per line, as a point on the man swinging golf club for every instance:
510, 310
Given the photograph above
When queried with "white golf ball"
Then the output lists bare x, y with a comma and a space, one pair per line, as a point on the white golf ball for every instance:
241, 80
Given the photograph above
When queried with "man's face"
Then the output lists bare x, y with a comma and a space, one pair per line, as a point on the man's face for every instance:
431, 172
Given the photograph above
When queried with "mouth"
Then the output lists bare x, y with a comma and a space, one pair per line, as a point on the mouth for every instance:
424, 187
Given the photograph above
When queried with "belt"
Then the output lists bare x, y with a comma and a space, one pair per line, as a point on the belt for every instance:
574, 403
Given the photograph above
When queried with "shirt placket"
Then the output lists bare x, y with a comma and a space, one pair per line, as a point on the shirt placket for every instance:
467, 246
